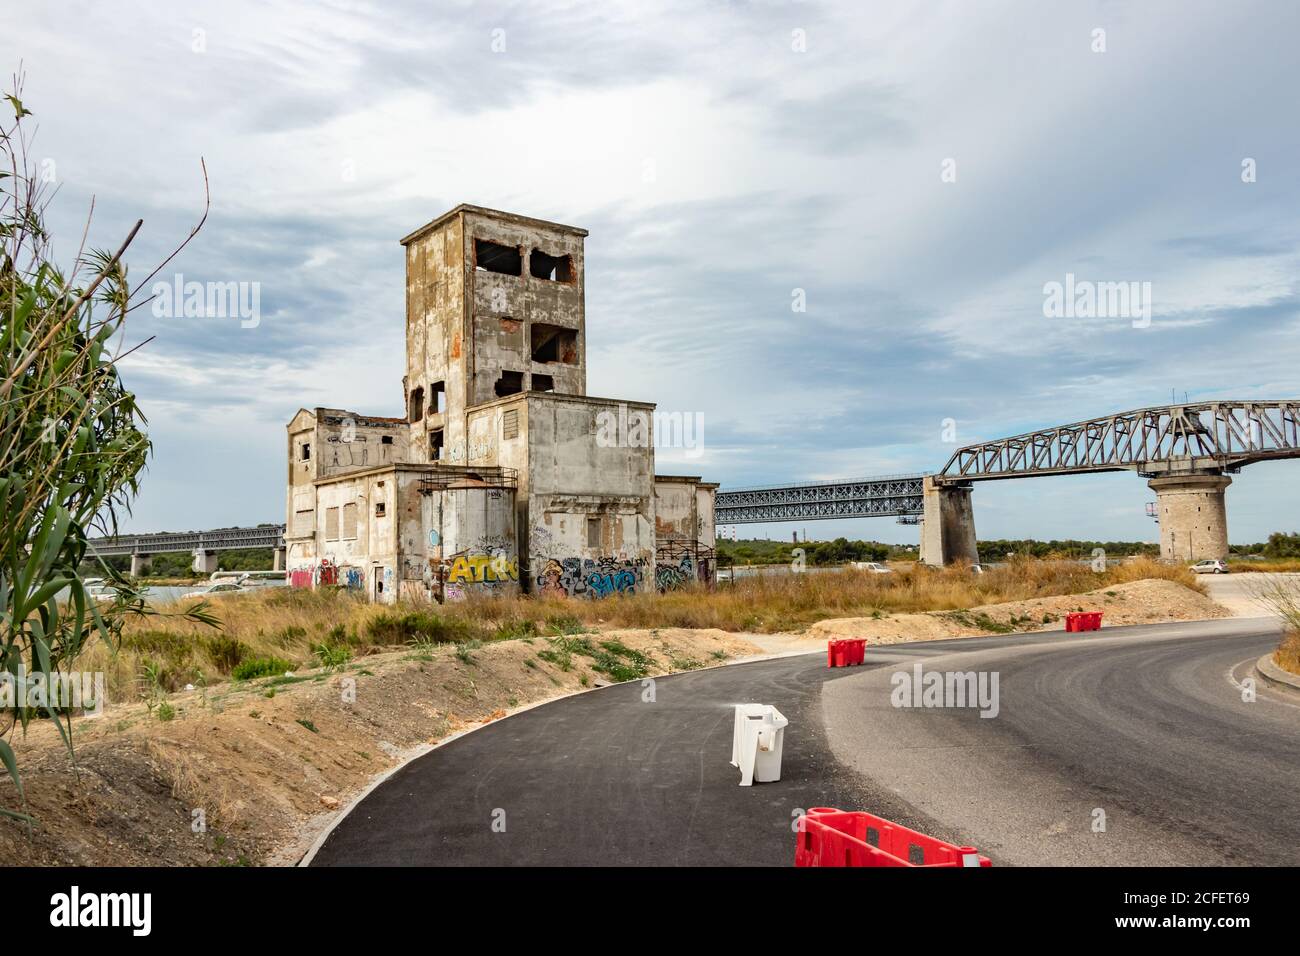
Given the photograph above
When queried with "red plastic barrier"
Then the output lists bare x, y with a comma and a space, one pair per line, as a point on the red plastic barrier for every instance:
845, 652
1083, 621
829, 837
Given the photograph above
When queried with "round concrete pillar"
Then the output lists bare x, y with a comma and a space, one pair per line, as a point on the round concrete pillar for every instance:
1193, 516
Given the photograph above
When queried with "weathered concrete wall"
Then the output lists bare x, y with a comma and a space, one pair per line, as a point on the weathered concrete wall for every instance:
509, 312
684, 531
437, 331
471, 542
326, 443
1193, 516
354, 545
590, 503
947, 524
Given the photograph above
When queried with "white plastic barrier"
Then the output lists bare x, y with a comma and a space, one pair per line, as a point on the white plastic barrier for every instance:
756, 743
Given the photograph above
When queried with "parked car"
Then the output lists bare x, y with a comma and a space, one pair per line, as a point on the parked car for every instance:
977, 569
1210, 566
217, 590
101, 592
875, 567
265, 579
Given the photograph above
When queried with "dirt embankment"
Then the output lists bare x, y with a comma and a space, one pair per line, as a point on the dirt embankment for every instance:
249, 773
1135, 602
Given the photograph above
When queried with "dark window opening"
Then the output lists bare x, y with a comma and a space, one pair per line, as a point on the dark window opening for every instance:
554, 268
510, 383
435, 445
494, 257
417, 404
437, 398
593, 532
386, 439
543, 383
306, 452
553, 343
380, 509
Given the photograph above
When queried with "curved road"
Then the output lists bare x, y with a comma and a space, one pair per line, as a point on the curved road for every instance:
1145, 724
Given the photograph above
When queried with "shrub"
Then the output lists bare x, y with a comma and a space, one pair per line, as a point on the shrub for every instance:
260, 667
419, 627
225, 653
331, 655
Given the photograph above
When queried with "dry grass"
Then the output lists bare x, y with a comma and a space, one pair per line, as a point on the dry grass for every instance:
307, 628
1272, 565
1287, 654
1282, 597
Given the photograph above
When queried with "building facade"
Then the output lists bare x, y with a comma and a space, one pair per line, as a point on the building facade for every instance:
503, 475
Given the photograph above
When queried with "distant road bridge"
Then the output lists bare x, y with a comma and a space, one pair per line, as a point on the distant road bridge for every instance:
203, 544
857, 498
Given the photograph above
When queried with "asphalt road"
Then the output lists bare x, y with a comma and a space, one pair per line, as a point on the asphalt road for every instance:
1144, 723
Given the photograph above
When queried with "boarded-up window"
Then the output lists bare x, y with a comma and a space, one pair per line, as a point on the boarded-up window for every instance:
350, 520
593, 532
331, 524
304, 523
510, 424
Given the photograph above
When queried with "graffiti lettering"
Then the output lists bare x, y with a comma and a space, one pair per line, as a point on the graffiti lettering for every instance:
588, 577
482, 569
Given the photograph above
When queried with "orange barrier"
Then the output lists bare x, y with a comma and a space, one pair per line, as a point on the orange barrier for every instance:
829, 837
1083, 621
846, 652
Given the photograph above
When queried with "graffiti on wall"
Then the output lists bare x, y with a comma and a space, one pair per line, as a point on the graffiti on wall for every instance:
325, 574
669, 575
591, 577
478, 568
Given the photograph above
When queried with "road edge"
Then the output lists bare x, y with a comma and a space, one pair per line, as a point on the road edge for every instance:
1275, 675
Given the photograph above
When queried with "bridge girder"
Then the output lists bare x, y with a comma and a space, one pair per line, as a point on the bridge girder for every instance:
858, 498
1201, 437
224, 539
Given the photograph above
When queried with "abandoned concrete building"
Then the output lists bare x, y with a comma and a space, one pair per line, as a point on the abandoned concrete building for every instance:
503, 476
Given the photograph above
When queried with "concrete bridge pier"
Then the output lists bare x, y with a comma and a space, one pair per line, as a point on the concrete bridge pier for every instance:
1193, 516
139, 565
947, 524
278, 564
205, 562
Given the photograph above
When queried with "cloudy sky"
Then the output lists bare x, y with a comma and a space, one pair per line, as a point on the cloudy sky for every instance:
919, 169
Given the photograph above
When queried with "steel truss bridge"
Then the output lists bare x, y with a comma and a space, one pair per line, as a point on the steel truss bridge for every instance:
1208, 437
1191, 438
223, 539
860, 498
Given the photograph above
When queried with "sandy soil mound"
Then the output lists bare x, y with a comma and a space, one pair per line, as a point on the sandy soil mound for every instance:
251, 773
1137, 602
